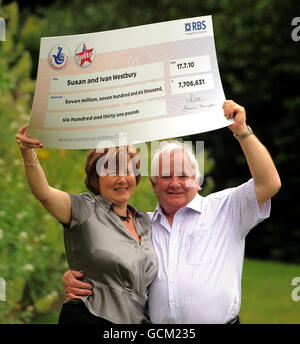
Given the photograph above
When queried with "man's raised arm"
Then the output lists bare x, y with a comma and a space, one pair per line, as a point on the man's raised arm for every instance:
266, 178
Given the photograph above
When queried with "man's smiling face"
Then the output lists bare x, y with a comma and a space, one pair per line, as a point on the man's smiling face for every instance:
175, 186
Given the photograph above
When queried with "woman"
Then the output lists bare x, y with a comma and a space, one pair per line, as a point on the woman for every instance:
105, 238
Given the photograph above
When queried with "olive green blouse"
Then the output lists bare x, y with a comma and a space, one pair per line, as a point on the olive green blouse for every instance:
119, 267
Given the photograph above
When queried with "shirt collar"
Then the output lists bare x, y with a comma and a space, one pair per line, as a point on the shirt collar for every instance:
107, 205
195, 204
157, 211
104, 203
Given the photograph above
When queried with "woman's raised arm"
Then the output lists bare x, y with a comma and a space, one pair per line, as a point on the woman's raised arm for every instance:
57, 202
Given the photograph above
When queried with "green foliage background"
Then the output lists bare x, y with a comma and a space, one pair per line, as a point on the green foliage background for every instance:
259, 66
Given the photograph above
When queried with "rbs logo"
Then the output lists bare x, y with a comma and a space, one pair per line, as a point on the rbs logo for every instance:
195, 26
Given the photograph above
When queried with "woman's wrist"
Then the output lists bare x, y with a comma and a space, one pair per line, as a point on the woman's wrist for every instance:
29, 157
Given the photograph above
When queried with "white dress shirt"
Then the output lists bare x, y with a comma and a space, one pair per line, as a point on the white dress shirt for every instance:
201, 257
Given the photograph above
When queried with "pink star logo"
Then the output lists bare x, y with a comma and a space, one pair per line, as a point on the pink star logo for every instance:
85, 55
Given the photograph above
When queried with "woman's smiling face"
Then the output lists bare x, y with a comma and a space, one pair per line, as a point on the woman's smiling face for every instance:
117, 187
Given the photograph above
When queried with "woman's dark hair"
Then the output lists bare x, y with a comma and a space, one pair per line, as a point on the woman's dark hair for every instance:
92, 170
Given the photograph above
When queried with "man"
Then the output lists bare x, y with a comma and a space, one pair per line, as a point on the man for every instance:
200, 241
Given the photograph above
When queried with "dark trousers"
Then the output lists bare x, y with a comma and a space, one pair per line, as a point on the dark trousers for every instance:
77, 313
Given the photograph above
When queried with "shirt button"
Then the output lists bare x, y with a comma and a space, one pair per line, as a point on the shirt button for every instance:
173, 303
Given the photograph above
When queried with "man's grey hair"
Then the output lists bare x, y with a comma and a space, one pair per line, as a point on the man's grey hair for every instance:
165, 150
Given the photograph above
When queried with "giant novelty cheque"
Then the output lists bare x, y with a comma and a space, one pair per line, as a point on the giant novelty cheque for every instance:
130, 85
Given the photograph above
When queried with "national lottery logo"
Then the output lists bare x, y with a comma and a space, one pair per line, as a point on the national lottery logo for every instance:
84, 54
59, 57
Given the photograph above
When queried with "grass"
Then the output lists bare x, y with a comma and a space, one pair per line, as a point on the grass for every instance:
266, 295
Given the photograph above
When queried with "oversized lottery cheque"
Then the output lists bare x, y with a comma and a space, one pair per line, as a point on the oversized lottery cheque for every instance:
130, 85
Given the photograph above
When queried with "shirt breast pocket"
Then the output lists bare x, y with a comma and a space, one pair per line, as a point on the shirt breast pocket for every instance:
199, 248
